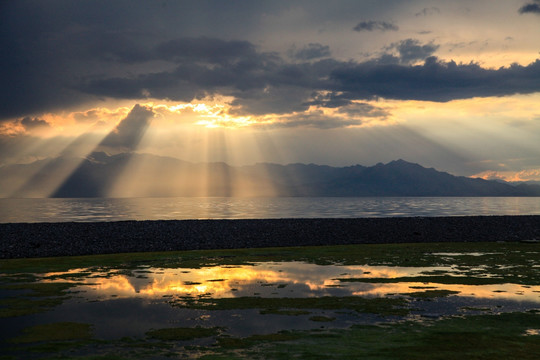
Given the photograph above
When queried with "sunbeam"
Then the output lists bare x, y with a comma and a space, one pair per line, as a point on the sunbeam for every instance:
124, 137
44, 179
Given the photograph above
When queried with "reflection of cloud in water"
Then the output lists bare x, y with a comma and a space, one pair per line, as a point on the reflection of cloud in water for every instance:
288, 279
217, 281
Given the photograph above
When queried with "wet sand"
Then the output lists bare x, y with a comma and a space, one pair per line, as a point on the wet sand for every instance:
24, 240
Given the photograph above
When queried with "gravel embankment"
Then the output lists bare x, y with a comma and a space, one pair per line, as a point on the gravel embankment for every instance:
22, 240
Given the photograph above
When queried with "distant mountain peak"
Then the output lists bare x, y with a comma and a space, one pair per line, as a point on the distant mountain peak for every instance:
402, 162
99, 157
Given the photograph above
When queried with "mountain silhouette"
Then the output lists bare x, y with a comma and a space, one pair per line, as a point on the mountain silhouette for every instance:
144, 175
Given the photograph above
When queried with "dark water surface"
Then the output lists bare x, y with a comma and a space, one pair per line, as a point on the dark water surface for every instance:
97, 209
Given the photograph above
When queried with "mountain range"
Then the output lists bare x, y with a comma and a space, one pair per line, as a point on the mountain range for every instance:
144, 175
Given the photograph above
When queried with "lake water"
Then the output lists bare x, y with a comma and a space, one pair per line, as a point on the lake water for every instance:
96, 209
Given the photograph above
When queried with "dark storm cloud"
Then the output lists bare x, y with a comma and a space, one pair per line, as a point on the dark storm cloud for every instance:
129, 132
202, 66
532, 7
261, 82
310, 52
411, 50
42, 47
62, 54
51, 49
404, 52
32, 123
375, 26
434, 80
266, 83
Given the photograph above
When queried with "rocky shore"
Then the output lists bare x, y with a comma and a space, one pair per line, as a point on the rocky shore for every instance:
24, 240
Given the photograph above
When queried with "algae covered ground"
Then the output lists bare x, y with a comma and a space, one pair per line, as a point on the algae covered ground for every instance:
393, 301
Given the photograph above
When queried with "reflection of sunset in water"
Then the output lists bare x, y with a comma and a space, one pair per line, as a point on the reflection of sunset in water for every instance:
497, 291
285, 279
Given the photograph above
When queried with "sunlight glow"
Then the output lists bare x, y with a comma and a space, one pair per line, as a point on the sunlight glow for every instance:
523, 175
478, 131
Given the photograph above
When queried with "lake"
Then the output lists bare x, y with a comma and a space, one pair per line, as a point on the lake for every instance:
115, 209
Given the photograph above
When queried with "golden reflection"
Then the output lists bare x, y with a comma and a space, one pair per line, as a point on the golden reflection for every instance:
216, 281
530, 332
491, 292
281, 279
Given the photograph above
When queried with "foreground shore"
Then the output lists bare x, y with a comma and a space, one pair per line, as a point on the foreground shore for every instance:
24, 240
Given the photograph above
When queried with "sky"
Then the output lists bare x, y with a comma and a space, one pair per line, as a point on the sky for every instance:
453, 85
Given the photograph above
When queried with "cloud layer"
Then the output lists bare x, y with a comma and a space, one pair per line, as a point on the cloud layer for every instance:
264, 82
372, 25
532, 7
60, 57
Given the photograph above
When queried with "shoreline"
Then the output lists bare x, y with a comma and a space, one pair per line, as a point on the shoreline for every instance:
30, 240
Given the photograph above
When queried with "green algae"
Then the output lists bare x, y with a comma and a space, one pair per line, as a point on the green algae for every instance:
69, 276
430, 294
183, 333
13, 307
472, 337
472, 308
33, 298
375, 305
237, 343
59, 331
495, 337
288, 312
418, 254
41, 289
321, 318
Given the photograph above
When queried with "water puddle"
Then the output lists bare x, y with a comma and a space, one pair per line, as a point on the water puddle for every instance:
268, 297
278, 280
